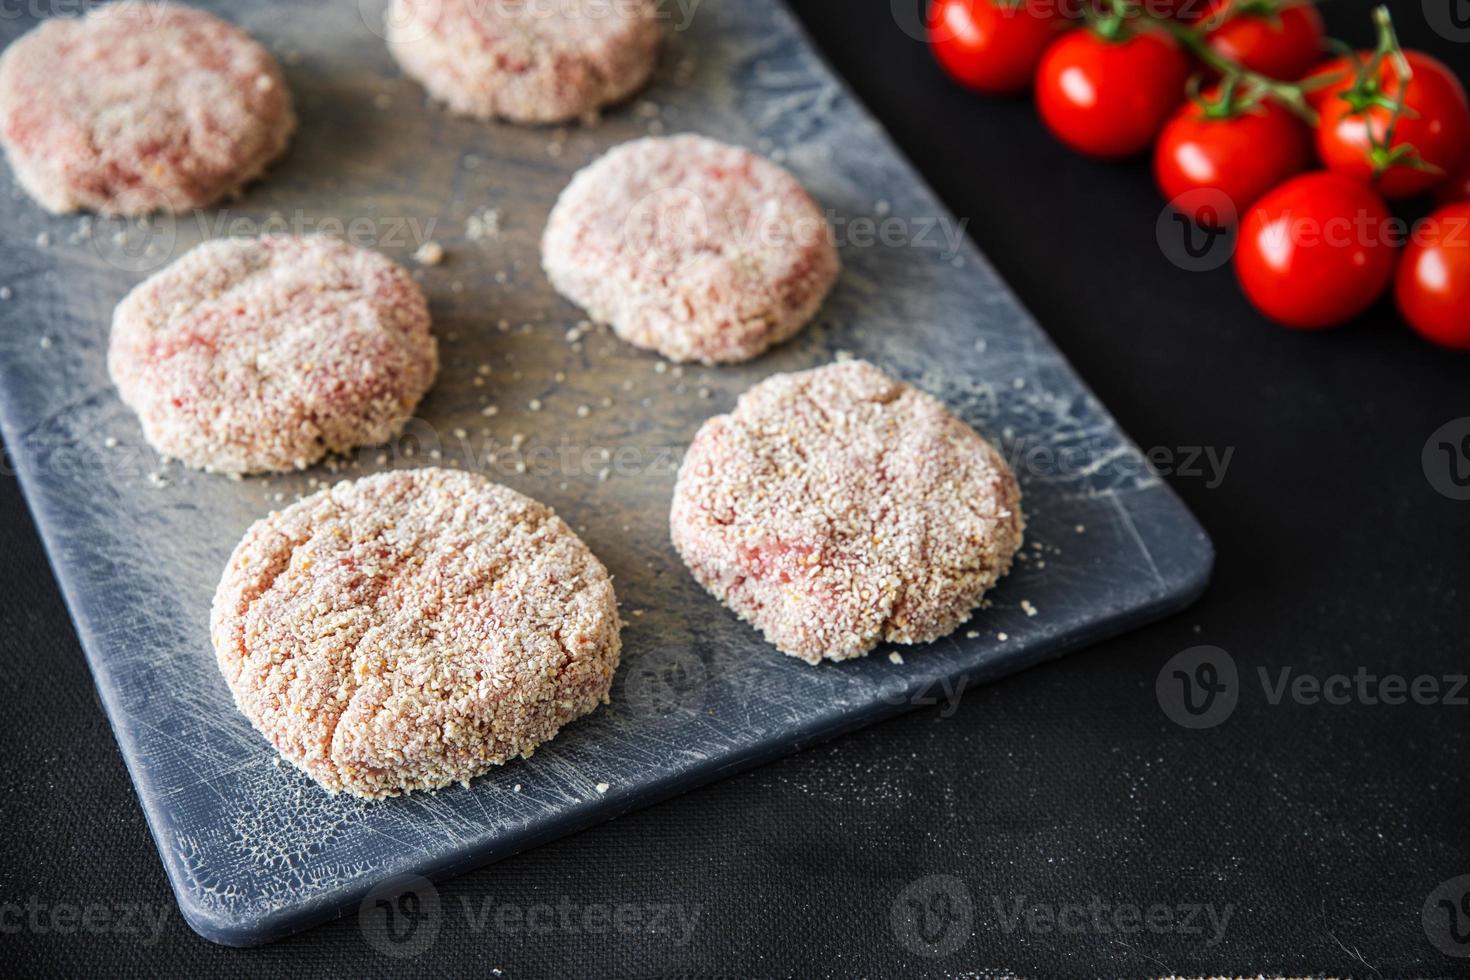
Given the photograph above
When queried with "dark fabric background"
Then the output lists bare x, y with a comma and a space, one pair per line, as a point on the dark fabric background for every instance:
1323, 829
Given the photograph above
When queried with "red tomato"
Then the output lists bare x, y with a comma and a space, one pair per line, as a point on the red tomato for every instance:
1457, 184
1241, 157
1283, 41
1433, 288
1109, 98
1437, 124
990, 46
1316, 251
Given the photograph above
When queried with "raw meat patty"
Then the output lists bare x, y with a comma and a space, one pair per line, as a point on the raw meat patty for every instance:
698, 250
413, 629
838, 508
140, 107
264, 355
529, 61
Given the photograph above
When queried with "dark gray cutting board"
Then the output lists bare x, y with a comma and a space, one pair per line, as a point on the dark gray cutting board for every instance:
253, 848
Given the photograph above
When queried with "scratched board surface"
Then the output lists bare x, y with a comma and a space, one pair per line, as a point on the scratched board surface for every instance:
565, 413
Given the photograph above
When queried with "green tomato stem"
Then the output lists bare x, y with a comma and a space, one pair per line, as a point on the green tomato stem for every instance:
1292, 95
1367, 94
1112, 26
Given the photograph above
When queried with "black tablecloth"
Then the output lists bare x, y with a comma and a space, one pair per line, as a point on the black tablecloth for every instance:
1058, 823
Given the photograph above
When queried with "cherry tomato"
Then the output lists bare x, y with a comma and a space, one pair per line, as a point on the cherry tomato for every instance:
1433, 288
1436, 123
989, 45
1456, 186
1109, 98
1241, 156
1316, 251
1282, 40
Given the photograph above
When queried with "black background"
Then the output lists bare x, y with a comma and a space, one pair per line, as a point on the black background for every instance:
1322, 828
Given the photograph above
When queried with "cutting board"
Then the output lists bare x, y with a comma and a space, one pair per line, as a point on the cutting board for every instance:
254, 849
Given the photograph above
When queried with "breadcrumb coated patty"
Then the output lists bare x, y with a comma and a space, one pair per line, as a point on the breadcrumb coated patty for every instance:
140, 107
528, 61
838, 508
413, 629
692, 248
264, 355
